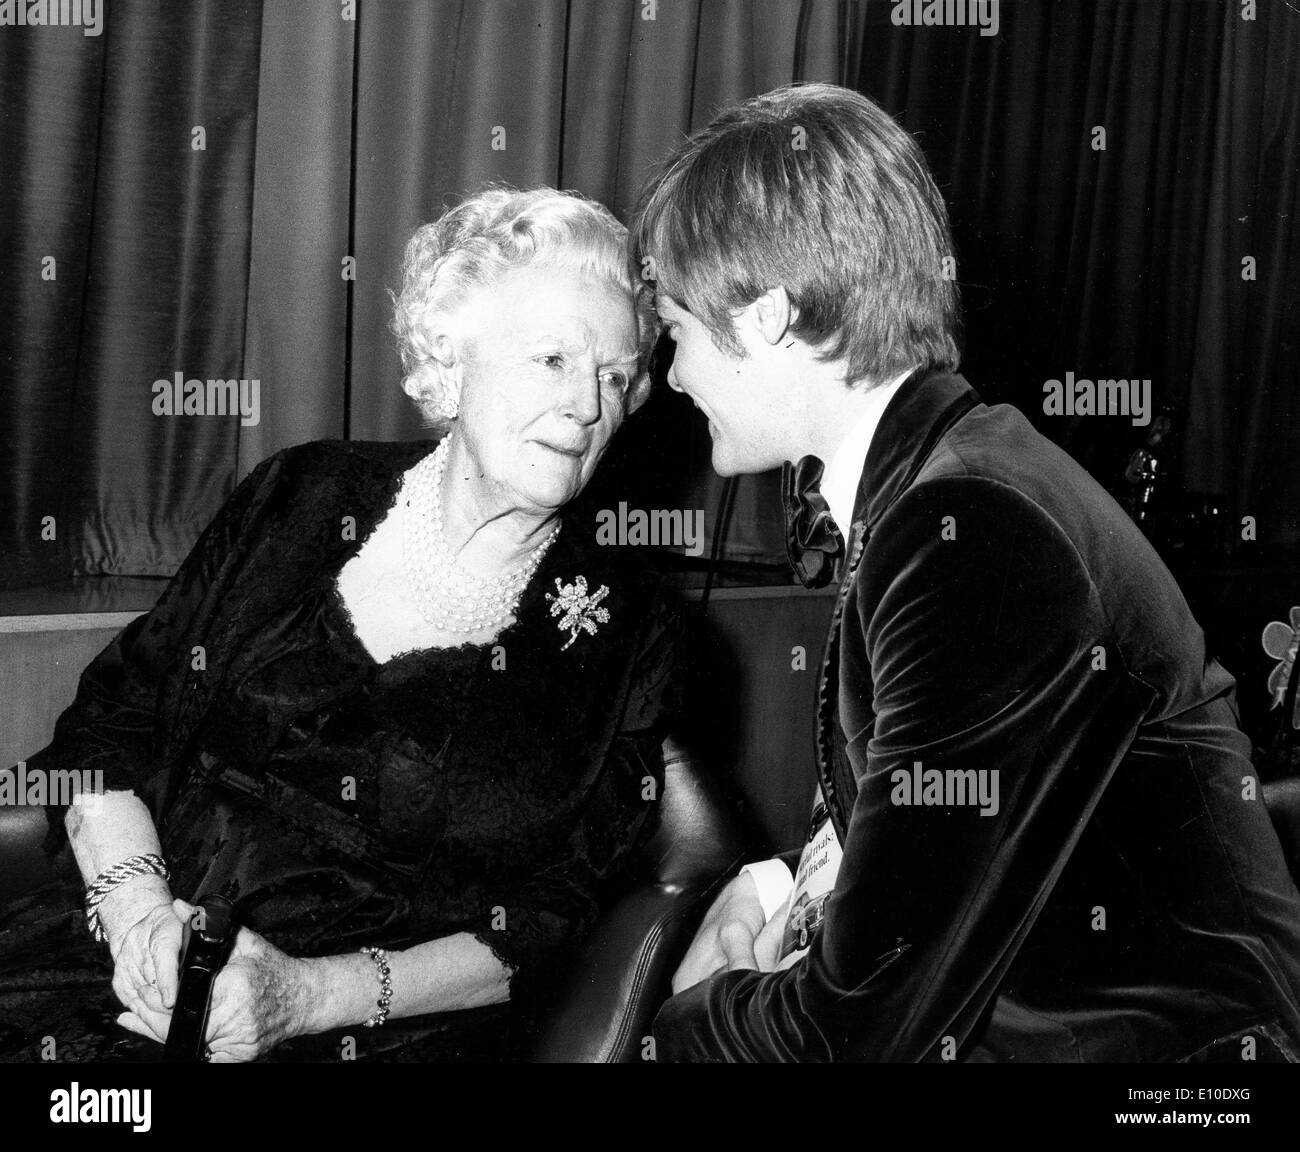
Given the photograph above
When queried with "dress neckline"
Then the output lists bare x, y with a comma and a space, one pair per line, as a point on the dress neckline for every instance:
373, 489
385, 507
346, 627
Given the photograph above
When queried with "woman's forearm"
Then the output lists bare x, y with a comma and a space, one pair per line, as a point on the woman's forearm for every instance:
443, 975
104, 830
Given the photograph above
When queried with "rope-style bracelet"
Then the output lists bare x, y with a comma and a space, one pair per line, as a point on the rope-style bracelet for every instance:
145, 864
380, 957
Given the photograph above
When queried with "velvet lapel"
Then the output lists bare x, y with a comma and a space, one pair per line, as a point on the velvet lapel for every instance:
920, 413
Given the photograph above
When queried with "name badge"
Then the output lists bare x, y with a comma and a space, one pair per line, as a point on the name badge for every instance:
819, 863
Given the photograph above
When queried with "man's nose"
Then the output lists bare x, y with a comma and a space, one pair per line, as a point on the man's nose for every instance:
672, 379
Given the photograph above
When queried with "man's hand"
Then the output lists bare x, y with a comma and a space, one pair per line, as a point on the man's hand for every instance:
767, 948
727, 937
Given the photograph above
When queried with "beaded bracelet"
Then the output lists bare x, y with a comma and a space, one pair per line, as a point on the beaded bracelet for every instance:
380, 957
145, 864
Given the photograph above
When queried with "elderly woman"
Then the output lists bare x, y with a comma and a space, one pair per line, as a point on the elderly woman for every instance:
394, 704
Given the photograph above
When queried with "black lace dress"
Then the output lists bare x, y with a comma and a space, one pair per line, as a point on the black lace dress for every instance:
498, 789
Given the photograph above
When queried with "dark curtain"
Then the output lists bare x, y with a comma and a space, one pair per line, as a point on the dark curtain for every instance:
150, 246
328, 138
1126, 262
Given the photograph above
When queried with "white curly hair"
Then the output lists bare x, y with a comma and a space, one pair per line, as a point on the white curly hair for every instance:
472, 245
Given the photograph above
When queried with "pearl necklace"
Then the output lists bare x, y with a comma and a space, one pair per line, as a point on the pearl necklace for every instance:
448, 597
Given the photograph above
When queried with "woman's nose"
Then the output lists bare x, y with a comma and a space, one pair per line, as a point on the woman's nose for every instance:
582, 397
672, 379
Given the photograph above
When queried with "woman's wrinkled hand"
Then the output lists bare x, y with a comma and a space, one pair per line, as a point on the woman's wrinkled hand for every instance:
259, 999
146, 964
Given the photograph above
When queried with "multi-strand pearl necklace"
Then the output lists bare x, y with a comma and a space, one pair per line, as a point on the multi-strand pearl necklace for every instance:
449, 598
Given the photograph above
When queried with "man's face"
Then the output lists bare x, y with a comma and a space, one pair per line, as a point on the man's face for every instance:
745, 402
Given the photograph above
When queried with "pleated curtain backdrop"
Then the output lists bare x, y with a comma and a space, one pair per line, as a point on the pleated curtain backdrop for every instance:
1129, 261
125, 254
448, 96
331, 129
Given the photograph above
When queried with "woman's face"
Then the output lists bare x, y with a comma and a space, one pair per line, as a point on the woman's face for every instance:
548, 358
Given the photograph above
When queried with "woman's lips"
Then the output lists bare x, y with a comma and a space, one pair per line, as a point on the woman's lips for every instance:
573, 453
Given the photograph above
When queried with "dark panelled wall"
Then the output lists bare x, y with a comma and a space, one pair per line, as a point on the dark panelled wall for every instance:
330, 130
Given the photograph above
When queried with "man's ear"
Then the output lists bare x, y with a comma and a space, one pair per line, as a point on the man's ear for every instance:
773, 315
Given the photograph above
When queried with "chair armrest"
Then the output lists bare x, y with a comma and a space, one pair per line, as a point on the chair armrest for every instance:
622, 976
1282, 799
24, 864
624, 970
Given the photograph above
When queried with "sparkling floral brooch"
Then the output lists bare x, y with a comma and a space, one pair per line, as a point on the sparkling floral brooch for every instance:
1281, 641
578, 611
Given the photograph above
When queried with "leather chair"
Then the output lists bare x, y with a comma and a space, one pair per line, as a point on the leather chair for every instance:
1282, 799
603, 1013
23, 864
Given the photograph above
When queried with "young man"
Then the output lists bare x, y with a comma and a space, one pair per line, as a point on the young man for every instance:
1053, 845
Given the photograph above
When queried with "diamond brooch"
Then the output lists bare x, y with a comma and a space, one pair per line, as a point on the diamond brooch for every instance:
578, 612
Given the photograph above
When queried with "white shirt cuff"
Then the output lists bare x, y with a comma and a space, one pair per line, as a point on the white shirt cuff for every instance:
774, 882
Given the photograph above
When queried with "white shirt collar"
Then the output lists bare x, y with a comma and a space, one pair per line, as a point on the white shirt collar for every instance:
840, 479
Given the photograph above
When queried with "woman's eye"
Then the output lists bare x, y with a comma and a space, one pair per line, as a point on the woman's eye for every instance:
617, 379
552, 360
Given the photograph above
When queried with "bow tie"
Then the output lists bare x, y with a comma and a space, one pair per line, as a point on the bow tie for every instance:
812, 541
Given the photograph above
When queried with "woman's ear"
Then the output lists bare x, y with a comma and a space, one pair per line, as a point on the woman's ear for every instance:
436, 384
449, 366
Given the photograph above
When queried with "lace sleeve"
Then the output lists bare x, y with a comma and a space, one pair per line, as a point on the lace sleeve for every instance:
111, 728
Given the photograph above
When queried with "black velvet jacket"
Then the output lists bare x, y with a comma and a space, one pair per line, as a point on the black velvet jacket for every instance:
1128, 900
492, 789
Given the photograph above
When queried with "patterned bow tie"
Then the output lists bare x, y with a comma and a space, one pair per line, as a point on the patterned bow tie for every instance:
812, 541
